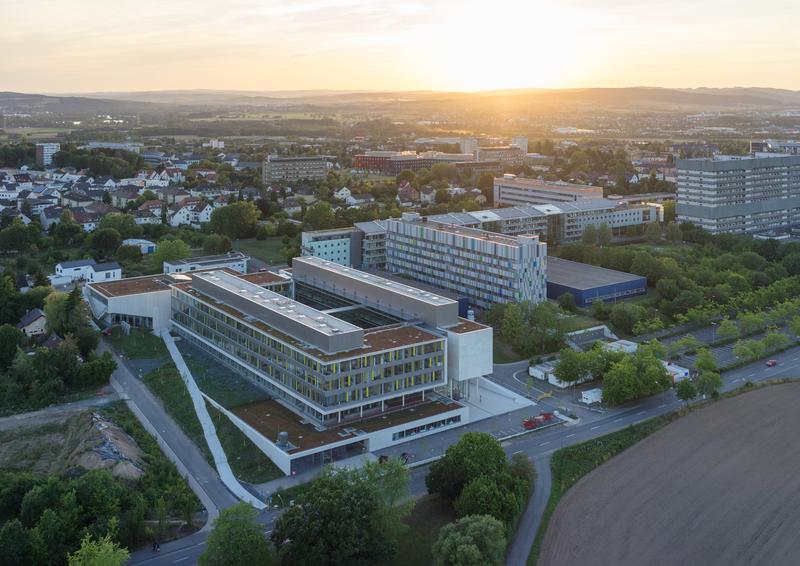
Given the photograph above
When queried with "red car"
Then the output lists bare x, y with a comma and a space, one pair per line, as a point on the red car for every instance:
772, 363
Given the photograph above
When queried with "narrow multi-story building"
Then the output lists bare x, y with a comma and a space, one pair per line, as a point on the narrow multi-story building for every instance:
753, 194
512, 190
485, 267
45, 153
293, 169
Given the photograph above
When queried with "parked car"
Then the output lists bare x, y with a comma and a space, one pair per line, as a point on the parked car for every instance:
772, 363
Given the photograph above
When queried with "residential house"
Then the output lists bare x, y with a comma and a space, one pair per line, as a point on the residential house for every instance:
71, 271
407, 195
343, 194
89, 221
110, 271
193, 212
33, 323
124, 195
172, 195
50, 215
147, 216
357, 201
75, 199
145, 246
427, 195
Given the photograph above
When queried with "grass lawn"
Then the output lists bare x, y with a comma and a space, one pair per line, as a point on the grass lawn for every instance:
140, 345
220, 383
503, 352
572, 463
247, 462
167, 385
268, 250
429, 515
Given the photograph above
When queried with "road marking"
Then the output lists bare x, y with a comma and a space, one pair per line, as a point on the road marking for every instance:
640, 413
180, 559
543, 443
595, 427
517, 452
267, 532
570, 435
661, 406
617, 420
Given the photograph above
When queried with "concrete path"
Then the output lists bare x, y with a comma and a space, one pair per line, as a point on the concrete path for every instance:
209, 431
60, 412
191, 464
528, 525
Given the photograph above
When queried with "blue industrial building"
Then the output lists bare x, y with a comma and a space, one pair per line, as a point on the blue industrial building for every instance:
588, 283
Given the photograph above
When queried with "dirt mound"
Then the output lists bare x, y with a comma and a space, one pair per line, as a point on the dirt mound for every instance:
719, 486
88, 441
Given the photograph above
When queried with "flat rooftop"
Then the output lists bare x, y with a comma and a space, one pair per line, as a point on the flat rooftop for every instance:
259, 299
209, 259
474, 233
270, 418
375, 340
584, 276
163, 281
371, 279
464, 326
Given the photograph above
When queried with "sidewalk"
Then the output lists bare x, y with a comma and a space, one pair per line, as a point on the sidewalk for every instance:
52, 413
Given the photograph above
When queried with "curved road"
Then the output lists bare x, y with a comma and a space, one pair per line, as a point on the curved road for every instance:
538, 446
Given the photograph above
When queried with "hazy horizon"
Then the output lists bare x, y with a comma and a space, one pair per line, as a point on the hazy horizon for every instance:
377, 45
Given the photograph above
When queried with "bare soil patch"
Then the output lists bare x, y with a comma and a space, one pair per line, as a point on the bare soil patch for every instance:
718, 486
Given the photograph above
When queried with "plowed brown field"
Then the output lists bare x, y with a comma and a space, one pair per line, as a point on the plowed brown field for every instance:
718, 486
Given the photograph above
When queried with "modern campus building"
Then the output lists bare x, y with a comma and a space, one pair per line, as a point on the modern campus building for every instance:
588, 283
394, 162
512, 190
507, 154
351, 361
293, 169
555, 223
752, 194
483, 266
231, 260
45, 153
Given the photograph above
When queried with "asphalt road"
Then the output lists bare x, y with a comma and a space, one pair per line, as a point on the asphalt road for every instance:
538, 446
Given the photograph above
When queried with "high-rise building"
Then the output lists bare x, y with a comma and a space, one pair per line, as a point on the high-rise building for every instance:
468, 145
483, 266
520, 142
759, 193
507, 154
512, 190
45, 153
293, 169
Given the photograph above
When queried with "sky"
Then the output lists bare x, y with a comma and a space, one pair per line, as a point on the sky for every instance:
465, 45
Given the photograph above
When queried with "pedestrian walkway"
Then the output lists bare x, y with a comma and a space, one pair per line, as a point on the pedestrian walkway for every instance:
53, 413
209, 432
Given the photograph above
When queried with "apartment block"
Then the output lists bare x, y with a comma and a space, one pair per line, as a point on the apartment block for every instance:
45, 153
512, 190
483, 266
759, 193
293, 169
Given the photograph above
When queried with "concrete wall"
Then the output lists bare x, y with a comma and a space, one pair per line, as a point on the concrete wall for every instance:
383, 438
156, 305
469, 354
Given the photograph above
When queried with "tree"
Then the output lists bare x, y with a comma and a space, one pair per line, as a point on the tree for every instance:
319, 216
15, 544
475, 454
600, 310
571, 366
709, 383
124, 224
67, 232
567, 302
748, 349
774, 341
217, 244
237, 538
129, 254
100, 552
511, 328
624, 316
237, 220
686, 391
673, 232
705, 360
336, 522
490, 495
170, 250
751, 322
652, 234
10, 340
477, 540
727, 330
604, 235
589, 236
105, 240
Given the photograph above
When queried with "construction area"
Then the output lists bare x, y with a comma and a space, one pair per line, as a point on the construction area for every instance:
717, 486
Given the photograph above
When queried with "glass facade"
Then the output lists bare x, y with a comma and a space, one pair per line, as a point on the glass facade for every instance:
325, 387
